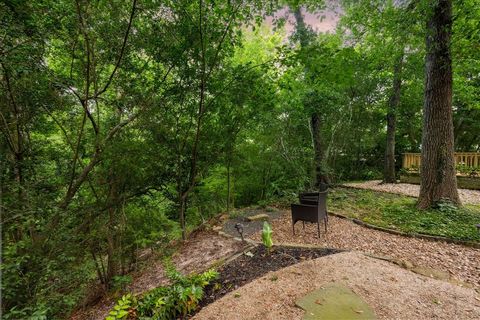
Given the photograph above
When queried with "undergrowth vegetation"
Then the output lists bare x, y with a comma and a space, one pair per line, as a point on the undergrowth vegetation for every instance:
399, 212
175, 301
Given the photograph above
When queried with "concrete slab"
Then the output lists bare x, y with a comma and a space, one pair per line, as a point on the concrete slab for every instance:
334, 301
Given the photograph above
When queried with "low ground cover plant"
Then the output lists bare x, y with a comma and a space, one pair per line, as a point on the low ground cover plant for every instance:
177, 300
400, 212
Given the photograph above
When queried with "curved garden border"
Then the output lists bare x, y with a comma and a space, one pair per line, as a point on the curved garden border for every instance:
405, 234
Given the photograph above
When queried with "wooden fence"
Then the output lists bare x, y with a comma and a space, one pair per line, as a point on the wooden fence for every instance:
411, 161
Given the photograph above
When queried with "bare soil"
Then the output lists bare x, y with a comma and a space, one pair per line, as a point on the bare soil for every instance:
392, 292
467, 196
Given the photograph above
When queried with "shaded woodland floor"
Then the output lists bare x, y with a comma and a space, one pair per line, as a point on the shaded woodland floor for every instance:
454, 263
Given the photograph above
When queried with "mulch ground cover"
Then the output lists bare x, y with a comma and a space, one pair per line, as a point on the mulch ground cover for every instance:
246, 268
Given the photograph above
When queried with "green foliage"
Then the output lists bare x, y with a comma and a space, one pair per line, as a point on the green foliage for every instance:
38, 313
267, 235
120, 283
122, 308
400, 213
170, 302
468, 170
121, 123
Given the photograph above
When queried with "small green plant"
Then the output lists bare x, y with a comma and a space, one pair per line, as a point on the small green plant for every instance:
470, 171
267, 236
262, 204
120, 283
445, 205
37, 313
123, 308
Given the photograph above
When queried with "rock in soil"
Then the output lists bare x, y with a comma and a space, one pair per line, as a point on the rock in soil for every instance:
259, 217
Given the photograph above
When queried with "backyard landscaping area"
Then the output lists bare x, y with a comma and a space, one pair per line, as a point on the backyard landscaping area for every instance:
395, 275
421, 279
240, 159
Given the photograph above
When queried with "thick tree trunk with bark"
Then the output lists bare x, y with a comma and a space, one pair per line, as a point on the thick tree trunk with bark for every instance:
394, 101
438, 175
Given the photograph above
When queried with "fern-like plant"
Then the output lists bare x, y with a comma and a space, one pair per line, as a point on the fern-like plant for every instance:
163, 303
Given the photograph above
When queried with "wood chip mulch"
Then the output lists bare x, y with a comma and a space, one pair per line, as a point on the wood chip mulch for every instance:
461, 262
392, 292
255, 263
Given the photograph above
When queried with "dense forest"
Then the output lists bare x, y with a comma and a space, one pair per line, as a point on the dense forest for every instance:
127, 124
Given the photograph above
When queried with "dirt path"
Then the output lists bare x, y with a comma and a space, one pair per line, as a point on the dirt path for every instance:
392, 292
462, 262
197, 254
467, 196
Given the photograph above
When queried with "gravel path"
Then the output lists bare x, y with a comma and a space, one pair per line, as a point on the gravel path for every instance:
392, 292
462, 262
466, 195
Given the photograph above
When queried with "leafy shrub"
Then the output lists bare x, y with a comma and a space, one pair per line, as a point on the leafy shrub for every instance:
168, 302
120, 283
468, 170
37, 313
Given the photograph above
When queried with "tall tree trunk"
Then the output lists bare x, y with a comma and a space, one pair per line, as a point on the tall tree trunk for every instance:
321, 177
389, 172
301, 29
438, 176
228, 186
112, 231
182, 210
315, 120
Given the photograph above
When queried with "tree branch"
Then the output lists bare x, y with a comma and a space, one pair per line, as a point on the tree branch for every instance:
122, 51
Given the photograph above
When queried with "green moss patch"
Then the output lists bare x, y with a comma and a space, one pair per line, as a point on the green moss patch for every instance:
400, 213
